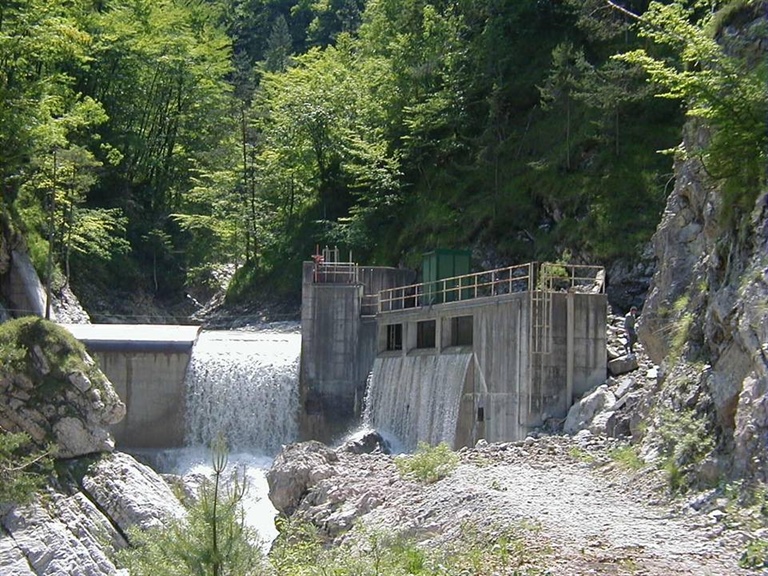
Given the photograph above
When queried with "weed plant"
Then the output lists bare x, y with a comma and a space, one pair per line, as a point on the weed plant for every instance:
429, 463
627, 457
685, 443
477, 551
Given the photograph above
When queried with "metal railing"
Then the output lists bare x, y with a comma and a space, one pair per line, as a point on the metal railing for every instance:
335, 273
513, 279
369, 304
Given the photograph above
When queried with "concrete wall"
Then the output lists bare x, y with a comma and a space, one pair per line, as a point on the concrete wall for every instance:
147, 365
338, 347
511, 388
152, 386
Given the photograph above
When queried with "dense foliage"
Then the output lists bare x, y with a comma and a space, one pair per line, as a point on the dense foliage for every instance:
150, 140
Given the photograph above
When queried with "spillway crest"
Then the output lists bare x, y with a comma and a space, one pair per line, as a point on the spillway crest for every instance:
244, 386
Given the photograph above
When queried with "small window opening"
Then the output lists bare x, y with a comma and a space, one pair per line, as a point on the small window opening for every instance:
425, 334
480, 414
461, 331
394, 337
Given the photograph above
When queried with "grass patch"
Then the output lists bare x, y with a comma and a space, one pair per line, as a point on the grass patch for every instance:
299, 551
627, 457
581, 455
429, 463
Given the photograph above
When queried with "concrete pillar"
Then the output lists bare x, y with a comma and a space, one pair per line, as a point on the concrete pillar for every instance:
569, 351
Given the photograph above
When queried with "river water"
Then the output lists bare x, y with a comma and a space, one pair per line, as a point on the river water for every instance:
242, 386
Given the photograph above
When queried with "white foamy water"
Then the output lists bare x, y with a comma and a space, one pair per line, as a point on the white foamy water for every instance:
244, 387
416, 398
194, 463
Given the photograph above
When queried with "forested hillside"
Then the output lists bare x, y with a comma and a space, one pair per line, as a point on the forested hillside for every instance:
145, 142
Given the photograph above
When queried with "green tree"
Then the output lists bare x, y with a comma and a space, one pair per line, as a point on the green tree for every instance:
213, 540
720, 82
566, 77
160, 70
323, 150
38, 41
279, 47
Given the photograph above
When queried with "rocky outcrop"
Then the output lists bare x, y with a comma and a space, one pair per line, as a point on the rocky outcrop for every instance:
58, 534
129, 493
707, 307
707, 304
51, 390
76, 528
628, 282
329, 487
563, 505
56, 395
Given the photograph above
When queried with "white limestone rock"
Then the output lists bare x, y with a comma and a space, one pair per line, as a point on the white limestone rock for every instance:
58, 534
584, 412
297, 468
77, 531
330, 488
623, 364
131, 493
62, 398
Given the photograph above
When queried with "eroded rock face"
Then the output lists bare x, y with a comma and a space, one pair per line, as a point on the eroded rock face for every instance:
708, 304
329, 487
58, 534
77, 528
130, 493
55, 393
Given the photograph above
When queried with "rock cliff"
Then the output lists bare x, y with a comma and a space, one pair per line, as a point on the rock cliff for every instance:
706, 316
51, 390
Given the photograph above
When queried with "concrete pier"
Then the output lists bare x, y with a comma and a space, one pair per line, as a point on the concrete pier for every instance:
147, 365
338, 342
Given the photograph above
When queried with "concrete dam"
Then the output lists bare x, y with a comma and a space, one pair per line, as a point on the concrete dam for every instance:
183, 386
489, 355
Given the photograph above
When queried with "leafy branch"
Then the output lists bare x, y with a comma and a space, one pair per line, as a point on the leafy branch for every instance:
718, 82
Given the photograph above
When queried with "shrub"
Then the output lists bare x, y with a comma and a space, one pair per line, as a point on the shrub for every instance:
685, 442
22, 470
755, 555
212, 540
428, 464
627, 457
494, 550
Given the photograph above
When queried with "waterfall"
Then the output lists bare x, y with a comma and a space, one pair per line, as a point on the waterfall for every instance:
243, 385
416, 398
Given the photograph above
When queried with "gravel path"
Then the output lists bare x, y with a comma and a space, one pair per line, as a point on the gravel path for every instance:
588, 519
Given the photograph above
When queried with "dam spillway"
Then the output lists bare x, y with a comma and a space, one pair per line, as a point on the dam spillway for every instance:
242, 385
417, 398
184, 386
